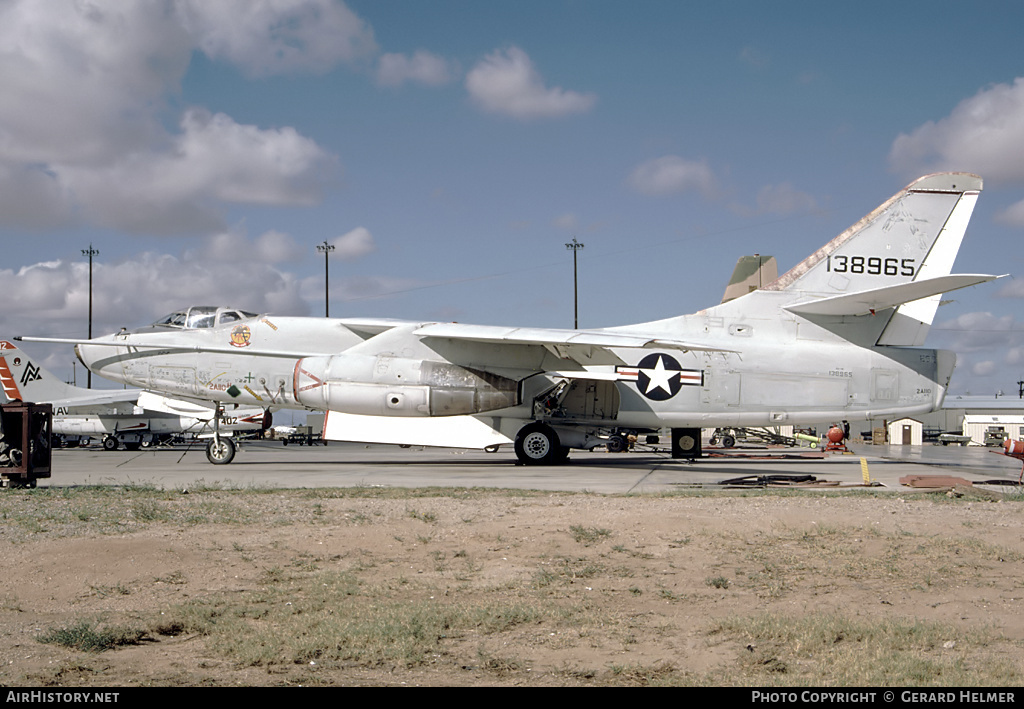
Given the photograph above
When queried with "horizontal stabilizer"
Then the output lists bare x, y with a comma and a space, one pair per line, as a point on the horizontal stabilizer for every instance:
877, 299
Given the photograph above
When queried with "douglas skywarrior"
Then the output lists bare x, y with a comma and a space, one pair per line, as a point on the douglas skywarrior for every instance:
837, 337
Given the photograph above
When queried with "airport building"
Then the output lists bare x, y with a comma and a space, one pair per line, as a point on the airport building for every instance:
986, 420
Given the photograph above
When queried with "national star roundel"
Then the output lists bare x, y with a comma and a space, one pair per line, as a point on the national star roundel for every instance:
658, 376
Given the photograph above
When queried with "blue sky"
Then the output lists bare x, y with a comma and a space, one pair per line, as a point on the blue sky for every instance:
449, 150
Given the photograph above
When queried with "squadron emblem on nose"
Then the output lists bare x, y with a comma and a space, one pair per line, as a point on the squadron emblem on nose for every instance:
240, 336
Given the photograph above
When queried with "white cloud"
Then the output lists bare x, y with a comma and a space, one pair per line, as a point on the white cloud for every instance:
85, 89
276, 247
32, 196
673, 175
213, 160
784, 199
243, 163
83, 82
506, 83
973, 332
567, 221
986, 344
1014, 356
268, 248
422, 67
985, 368
354, 244
983, 134
269, 37
52, 298
1013, 288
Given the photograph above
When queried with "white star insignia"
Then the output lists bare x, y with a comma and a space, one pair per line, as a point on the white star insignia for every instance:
659, 377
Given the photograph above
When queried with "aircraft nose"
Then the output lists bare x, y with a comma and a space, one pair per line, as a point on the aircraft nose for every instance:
87, 355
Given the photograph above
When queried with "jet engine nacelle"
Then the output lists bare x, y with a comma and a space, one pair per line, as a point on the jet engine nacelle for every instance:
384, 385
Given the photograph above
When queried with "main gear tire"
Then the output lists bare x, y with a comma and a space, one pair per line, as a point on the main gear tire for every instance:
537, 444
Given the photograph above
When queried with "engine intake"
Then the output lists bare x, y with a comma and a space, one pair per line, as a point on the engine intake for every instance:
385, 385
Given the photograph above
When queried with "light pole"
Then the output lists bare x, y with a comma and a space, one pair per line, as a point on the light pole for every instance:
326, 249
575, 246
90, 252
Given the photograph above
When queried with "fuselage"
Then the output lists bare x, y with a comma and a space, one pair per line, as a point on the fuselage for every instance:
756, 371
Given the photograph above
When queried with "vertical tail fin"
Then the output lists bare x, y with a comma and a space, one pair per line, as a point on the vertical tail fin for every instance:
910, 323
750, 274
913, 238
23, 380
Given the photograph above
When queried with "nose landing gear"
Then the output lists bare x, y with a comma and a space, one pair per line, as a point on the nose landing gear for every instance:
221, 449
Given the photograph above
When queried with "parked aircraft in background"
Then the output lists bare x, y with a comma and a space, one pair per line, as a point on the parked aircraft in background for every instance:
836, 338
751, 273
116, 416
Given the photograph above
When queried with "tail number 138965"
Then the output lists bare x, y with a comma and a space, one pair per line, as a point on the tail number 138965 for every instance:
872, 265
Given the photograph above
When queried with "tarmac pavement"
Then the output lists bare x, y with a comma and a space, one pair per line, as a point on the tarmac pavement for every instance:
645, 470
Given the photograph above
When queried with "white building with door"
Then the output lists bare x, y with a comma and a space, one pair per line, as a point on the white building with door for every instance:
907, 432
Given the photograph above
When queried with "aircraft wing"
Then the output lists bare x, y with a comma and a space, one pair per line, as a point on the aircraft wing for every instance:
579, 345
152, 401
99, 397
876, 299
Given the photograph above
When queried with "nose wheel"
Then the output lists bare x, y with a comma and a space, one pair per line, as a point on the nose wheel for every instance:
221, 449
220, 452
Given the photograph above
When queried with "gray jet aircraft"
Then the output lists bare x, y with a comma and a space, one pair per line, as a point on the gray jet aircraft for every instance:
837, 337
126, 417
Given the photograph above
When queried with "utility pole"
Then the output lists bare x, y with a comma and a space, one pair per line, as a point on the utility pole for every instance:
326, 249
575, 246
90, 253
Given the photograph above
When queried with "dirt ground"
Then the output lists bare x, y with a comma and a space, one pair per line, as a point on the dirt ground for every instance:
534, 588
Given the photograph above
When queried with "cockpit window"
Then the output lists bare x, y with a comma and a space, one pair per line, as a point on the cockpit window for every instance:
173, 320
198, 320
203, 316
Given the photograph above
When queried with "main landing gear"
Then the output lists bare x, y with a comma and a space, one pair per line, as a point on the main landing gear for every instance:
538, 444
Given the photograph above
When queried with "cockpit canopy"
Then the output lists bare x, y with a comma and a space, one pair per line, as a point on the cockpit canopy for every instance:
203, 316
